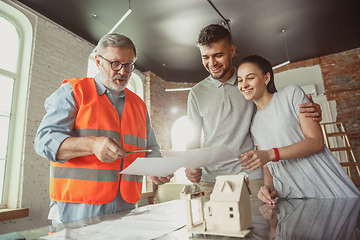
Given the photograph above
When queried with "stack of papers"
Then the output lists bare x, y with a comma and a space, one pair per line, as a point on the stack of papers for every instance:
173, 160
146, 226
158, 220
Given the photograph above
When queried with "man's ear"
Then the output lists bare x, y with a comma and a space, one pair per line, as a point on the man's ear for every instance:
232, 50
97, 61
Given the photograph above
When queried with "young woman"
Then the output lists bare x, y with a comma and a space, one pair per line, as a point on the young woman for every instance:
290, 147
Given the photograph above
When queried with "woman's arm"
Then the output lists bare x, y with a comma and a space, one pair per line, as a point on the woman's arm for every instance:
267, 193
268, 178
313, 142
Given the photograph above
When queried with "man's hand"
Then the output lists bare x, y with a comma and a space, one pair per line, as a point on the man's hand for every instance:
194, 175
267, 194
162, 180
105, 149
311, 109
108, 149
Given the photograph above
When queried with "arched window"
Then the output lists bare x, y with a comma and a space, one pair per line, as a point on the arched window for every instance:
136, 83
15, 52
9, 52
181, 133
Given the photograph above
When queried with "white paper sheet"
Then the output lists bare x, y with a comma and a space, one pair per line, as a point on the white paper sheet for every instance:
173, 160
159, 167
146, 226
156, 221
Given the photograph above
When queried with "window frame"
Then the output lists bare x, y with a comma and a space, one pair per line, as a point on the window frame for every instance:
15, 77
17, 131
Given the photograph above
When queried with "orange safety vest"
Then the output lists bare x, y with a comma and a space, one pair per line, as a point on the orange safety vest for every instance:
86, 179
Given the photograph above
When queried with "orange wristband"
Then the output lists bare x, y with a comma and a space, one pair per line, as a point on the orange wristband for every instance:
277, 155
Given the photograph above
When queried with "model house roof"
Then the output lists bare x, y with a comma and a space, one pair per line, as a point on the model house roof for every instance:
229, 188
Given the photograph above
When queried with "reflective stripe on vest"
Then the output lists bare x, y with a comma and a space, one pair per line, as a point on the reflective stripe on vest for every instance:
134, 178
86, 179
128, 138
134, 140
95, 132
90, 174
84, 174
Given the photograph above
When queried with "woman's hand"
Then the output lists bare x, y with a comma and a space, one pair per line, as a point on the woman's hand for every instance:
256, 158
269, 212
267, 194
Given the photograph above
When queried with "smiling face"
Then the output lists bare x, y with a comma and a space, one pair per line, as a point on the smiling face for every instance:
115, 80
216, 59
252, 83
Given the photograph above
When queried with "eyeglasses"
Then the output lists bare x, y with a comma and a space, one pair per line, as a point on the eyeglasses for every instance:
116, 65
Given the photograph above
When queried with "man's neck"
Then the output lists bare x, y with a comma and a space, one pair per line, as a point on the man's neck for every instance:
227, 76
115, 94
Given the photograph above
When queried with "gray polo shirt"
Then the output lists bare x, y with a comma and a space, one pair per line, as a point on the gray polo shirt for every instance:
225, 117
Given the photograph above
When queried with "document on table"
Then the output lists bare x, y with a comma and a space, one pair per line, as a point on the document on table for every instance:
158, 220
173, 160
146, 226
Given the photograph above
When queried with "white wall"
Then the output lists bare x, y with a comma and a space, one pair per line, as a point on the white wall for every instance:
302, 77
306, 76
57, 55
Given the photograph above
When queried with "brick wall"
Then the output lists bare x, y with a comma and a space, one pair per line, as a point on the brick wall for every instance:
341, 76
154, 97
164, 107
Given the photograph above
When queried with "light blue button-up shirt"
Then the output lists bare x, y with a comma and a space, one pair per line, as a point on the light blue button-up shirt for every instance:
57, 125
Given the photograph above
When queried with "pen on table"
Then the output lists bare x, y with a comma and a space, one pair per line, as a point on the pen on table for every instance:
137, 151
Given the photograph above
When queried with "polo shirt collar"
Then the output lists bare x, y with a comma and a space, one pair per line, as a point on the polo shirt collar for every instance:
99, 85
219, 83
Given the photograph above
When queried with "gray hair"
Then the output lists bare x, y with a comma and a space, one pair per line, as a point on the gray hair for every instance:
113, 40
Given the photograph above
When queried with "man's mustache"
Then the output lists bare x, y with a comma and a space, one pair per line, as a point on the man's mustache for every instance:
119, 76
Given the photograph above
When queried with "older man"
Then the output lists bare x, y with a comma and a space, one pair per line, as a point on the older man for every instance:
89, 127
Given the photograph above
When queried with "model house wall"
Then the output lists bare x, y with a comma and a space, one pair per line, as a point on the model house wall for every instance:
229, 205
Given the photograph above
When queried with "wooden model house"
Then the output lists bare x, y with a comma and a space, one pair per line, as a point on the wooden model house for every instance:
228, 211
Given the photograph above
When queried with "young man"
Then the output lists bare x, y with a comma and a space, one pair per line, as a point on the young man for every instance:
90, 125
216, 107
